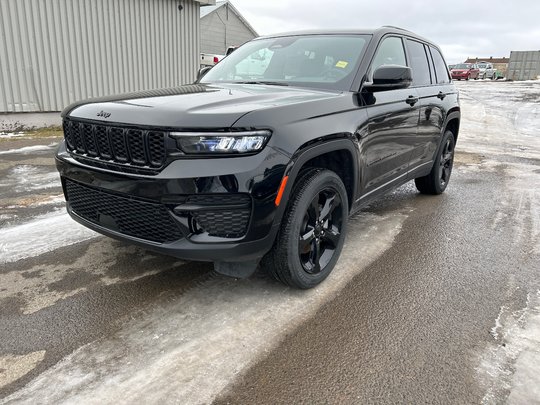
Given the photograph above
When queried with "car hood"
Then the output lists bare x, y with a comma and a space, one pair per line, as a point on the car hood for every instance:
459, 70
193, 106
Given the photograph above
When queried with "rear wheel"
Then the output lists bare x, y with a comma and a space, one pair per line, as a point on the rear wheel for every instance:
312, 232
437, 180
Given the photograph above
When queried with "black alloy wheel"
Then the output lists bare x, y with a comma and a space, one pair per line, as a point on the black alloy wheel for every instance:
439, 176
446, 161
312, 231
320, 232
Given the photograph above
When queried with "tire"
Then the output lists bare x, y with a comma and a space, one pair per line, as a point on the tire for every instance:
437, 180
312, 231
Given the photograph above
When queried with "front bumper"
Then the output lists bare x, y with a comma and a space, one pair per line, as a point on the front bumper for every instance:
193, 209
460, 75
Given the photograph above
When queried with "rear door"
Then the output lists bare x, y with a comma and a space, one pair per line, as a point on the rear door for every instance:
392, 120
431, 94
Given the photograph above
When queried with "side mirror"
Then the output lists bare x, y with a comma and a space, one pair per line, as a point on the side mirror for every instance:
202, 71
390, 77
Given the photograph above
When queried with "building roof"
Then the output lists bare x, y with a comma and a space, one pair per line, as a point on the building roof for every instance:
491, 59
210, 9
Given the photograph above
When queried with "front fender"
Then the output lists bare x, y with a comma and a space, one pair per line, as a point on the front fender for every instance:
302, 156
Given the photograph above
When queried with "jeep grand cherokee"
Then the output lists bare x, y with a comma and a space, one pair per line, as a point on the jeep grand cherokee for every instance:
264, 158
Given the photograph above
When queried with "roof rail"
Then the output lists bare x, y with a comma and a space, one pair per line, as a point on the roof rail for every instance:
393, 26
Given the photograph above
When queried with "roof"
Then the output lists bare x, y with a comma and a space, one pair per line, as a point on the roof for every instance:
491, 59
206, 10
387, 29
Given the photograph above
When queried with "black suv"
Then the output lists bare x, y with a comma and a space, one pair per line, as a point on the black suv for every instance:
264, 157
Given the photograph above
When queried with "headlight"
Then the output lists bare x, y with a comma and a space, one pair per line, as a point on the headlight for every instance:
221, 142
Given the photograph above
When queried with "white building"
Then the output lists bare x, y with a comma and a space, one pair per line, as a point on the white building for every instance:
222, 26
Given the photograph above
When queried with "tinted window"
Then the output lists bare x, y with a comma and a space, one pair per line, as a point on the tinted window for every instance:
390, 52
440, 66
322, 61
418, 63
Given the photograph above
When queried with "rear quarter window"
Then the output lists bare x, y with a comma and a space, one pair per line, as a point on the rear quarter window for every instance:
440, 67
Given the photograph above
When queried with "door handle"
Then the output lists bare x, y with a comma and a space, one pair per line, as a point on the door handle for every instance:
411, 100
441, 95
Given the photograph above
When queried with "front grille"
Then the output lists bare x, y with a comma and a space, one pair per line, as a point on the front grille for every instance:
225, 222
140, 219
109, 144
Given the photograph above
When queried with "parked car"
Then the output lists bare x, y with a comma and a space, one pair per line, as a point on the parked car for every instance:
465, 71
266, 166
486, 71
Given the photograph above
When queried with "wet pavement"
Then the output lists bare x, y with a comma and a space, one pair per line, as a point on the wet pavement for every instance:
434, 300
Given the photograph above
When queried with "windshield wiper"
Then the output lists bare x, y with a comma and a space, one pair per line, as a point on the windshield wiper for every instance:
264, 82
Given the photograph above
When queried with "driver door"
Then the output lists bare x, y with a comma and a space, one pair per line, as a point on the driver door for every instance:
393, 117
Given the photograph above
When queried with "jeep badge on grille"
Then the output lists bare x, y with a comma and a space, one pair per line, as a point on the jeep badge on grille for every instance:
103, 114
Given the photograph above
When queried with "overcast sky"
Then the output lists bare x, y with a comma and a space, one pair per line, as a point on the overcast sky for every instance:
461, 28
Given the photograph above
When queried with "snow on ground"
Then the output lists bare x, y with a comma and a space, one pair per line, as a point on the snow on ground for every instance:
506, 115
27, 178
40, 235
35, 287
15, 366
511, 362
30, 149
174, 354
505, 120
10, 135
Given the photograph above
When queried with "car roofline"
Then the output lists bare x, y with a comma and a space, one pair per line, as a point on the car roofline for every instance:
384, 30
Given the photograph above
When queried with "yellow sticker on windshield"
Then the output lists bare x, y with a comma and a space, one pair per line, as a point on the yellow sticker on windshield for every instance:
342, 64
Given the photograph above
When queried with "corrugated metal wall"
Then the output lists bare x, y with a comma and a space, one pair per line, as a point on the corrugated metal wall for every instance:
54, 52
524, 65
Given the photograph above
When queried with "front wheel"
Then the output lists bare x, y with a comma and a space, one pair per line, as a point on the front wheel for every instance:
312, 232
437, 180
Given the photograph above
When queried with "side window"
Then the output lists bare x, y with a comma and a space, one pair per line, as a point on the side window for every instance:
418, 63
440, 67
390, 52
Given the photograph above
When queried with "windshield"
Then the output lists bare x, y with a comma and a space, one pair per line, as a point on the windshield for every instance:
482, 65
321, 61
463, 66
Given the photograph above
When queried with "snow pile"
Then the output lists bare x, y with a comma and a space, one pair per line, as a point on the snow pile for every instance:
43, 234
29, 149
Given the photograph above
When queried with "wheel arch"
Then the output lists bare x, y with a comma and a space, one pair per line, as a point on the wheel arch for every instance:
338, 155
452, 123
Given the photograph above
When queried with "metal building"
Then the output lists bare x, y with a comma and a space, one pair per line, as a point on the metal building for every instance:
54, 52
222, 26
524, 65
